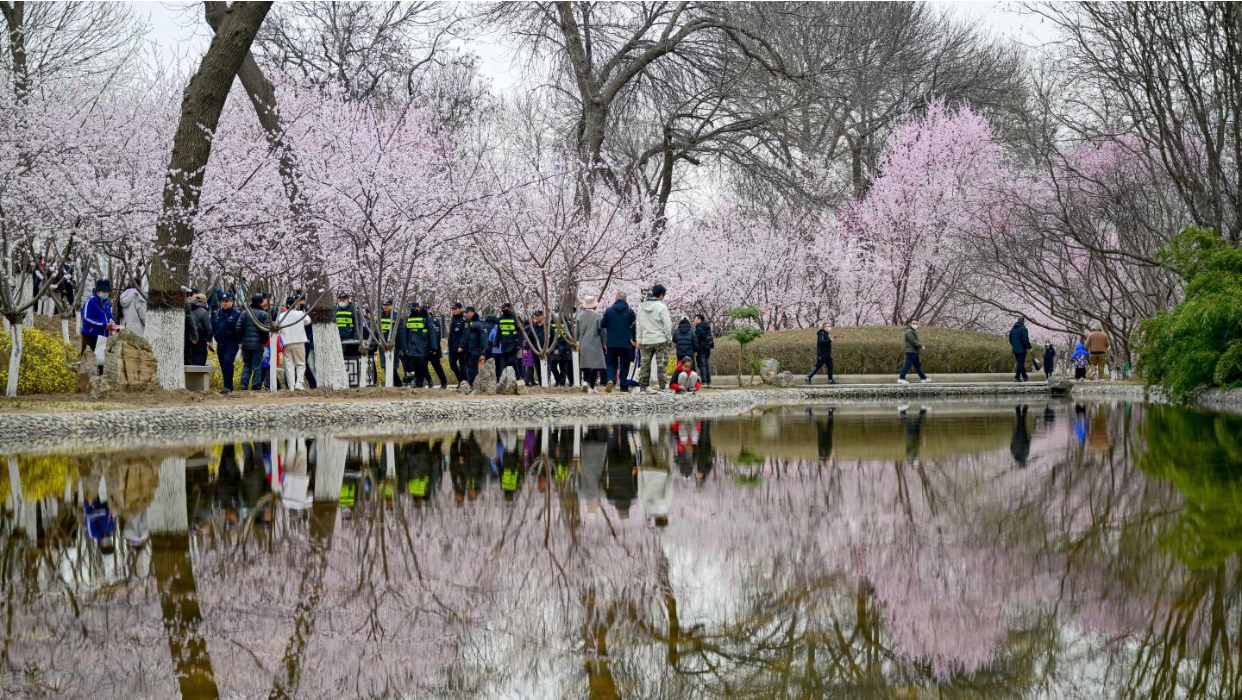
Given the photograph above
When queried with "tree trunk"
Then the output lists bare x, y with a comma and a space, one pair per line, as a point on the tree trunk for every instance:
545, 379
201, 105
64, 328
390, 359
272, 366
15, 21
330, 456
577, 378
15, 358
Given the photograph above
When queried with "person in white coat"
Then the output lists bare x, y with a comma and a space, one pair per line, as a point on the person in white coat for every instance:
293, 322
655, 338
655, 475
134, 310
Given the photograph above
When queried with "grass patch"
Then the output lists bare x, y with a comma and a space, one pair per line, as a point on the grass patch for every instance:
874, 350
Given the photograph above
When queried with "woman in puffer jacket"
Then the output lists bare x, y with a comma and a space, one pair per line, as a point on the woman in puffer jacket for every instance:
685, 340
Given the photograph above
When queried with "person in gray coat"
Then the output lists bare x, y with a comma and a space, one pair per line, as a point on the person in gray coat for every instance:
590, 344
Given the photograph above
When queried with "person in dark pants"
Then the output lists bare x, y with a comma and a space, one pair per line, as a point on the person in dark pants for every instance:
537, 333
97, 316
200, 320
914, 348
348, 323
1050, 357
228, 342
414, 344
435, 352
703, 356
509, 339
456, 343
560, 359
823, 352
619, 334
1020, 344
250, 325
475, 344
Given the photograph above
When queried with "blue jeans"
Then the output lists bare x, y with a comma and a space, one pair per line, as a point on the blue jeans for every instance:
912, 360
618, 360
252, 368
227, 352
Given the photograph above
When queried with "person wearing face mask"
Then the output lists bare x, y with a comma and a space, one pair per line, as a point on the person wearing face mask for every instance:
347, 323
823, 352
914, 348
97, 316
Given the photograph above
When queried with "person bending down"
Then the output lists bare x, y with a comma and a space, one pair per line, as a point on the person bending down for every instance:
686, 379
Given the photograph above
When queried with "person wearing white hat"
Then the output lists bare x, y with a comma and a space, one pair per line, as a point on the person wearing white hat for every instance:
590, 344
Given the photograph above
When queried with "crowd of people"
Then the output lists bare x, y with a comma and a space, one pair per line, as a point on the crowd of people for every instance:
1090, 352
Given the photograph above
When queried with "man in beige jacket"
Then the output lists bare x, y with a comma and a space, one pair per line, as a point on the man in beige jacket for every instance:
1097, 345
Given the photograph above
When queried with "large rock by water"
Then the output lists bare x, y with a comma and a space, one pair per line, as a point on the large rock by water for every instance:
785, 379
129, 362
485, 383
768, 369
87, 369
508, 383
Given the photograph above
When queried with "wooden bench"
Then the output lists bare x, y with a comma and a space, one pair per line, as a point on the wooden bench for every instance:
198, 377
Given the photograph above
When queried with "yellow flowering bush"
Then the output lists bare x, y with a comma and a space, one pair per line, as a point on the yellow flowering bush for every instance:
45, 363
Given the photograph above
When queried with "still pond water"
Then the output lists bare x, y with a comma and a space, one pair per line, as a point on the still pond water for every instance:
1039, 550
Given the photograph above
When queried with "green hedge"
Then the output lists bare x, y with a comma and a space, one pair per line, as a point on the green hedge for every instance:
873, 350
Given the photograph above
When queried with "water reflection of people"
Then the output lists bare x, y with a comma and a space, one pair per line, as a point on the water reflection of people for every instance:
914, 430
1020, 442
1080, 422
620, 479
655, 475
467, 467
100, 522
824, 427
705, 454
511, 472
594, 459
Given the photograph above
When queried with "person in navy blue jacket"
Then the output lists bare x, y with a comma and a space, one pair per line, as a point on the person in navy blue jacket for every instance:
97, 318
228, 340
1020, 344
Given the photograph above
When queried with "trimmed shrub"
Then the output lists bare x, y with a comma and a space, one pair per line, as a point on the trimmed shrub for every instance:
873, 350
45, 363
1198, 343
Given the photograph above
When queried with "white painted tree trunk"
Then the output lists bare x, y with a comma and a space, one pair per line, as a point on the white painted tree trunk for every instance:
15, 359
165, 331
390, 460
329, 466
167, 514
577, 440
329, 357
577, 378
544, 377
272, 366
64, 328
545, 438
274, 482
390, 359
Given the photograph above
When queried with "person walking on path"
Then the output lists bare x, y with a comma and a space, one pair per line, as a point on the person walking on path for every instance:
1050, 357
436, 351
250, 325
823, 352
703, 332
457, 343
134, 309
293, 322
1081, 359
590, 344
475, 344
1097, 345
914, 350
199, 330
620, 340
227, 339
97, 319
655, 338
1020, 344
414, 344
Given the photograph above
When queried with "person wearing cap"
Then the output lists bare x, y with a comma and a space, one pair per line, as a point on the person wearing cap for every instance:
509, 340
292, 323
655, 337
414, 343
590, 344
347, 323
475, 344
388, 321
97, 319
250, 328
436, 352
227, 340
457, 342
198, 330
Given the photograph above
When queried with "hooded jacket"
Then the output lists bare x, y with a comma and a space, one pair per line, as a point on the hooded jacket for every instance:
703, 333
655, 325
96, 315
618, 324
134, 311
685, 340
823, 344
1019, 338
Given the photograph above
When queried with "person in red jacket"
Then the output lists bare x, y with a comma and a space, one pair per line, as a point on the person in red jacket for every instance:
685, 378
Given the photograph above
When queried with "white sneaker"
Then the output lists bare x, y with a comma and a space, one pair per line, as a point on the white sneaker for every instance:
925, 381
902, 381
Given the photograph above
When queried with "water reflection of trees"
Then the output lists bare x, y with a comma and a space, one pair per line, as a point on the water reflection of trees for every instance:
495, 561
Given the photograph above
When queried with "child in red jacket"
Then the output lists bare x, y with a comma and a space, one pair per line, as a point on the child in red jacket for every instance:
685, 378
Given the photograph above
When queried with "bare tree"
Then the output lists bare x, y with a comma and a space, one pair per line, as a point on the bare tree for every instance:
65, 39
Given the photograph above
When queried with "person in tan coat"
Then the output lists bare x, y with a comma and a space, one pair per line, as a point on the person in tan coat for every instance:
1097, 345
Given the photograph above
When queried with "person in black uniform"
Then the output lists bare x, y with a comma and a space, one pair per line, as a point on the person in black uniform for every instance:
475, 343
347, 323
387, 322
415, 345
435, 352
457, 343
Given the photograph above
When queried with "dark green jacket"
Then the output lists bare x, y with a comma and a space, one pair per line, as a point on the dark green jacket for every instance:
913, 344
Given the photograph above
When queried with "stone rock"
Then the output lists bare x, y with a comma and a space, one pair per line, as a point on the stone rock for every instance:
768, 369
1060, 386
87, 369
485, 383
508, 384
100, 387
129, 362
785, 379
463, 387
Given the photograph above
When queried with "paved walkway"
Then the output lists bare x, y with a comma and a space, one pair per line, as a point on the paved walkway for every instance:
728, 380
